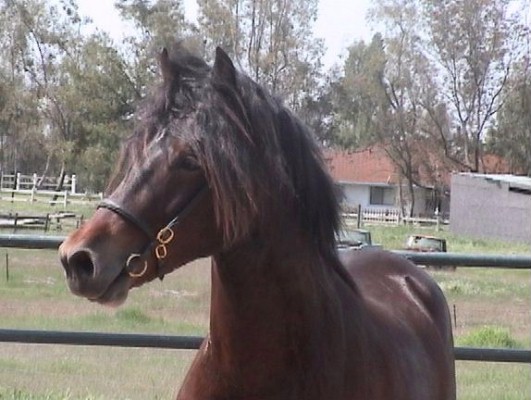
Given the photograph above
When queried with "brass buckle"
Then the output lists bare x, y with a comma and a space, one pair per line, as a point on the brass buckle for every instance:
161, 251
164, 237
132, 274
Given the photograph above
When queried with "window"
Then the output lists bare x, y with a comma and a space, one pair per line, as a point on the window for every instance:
382, 196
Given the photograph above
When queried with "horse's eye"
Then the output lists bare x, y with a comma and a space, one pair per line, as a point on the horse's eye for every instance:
187, 162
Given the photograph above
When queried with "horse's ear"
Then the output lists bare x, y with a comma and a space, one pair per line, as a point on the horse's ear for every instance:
224, 68
166, 69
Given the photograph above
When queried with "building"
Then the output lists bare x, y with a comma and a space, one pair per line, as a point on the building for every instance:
491, 206
368, 178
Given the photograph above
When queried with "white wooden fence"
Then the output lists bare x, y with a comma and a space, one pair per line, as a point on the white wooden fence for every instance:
391, 216
20, 181
33, 188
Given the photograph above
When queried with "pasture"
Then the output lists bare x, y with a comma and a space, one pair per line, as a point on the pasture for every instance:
490, 309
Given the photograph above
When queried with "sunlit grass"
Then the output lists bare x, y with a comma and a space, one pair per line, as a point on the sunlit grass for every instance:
393, 237
493, 381
42, 207
489, 336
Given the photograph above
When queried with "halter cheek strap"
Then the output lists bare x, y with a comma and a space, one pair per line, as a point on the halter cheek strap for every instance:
161, 239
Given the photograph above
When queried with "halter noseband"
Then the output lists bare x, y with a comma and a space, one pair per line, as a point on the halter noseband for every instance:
161, 238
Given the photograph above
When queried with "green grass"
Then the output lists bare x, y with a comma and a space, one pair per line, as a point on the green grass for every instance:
133, 316
42, 207
394, 237
36, 297
484, 283
493, 381
15, 394
489, 336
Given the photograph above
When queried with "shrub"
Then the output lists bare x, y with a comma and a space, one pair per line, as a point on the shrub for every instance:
489, 336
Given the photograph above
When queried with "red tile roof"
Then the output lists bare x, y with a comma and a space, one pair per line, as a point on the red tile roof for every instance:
370, 165
373, 165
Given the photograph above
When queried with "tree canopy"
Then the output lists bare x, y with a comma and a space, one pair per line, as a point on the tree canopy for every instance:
450, 75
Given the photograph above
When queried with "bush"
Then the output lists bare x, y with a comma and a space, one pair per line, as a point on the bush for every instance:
489, 336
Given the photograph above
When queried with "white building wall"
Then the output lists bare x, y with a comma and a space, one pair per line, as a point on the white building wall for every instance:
360, 194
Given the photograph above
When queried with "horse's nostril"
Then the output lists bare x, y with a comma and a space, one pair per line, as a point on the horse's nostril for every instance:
82, 263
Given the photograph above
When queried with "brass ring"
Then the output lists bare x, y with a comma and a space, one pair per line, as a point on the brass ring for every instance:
161, 251
165, 235
135, 274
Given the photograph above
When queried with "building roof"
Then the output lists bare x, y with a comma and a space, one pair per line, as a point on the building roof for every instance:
370, 165
514, 181
374, 166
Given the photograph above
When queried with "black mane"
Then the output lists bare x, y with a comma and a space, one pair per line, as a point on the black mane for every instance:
258, 157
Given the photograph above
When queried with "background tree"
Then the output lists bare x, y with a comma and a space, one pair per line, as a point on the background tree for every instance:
104, 99
272, 40
358, 95
450, 76
39, 37
66, 98
405, 81
155, 24
474, 44
511, 136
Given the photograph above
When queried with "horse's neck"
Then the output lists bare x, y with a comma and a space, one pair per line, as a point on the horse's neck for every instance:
270, 305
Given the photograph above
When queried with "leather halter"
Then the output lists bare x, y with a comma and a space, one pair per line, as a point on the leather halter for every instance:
160, 240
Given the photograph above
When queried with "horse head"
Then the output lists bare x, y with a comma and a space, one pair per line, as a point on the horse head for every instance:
158, 211
214, 159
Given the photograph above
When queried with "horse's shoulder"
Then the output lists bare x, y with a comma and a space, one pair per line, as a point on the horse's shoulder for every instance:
393, 282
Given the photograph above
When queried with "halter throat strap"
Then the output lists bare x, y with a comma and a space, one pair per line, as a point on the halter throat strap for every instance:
159, 240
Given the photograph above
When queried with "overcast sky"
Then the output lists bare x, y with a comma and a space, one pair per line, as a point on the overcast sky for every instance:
340, 22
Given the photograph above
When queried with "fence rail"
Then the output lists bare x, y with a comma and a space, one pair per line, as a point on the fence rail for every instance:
31, 241
459, 259
193, 342
34, 188
64, 197
19, 181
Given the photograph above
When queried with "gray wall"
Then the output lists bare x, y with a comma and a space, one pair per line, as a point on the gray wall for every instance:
485, 208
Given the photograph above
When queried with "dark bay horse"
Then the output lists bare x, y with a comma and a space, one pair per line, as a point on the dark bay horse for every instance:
218, 167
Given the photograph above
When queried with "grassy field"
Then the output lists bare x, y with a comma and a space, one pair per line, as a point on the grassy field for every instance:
491, 307
41, 206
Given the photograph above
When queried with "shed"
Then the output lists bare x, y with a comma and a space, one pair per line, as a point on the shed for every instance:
491, 206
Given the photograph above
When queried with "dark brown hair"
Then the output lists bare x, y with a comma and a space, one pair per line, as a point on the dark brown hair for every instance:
258, 158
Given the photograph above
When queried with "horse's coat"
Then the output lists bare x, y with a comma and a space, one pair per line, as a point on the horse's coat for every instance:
290, 317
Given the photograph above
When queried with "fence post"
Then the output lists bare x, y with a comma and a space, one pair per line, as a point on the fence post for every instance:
73, 179
7, 266
17, 181
65, 199
358, 222
15, 221
47, 223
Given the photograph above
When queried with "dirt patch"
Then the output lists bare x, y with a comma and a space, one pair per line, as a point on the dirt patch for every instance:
511, 315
